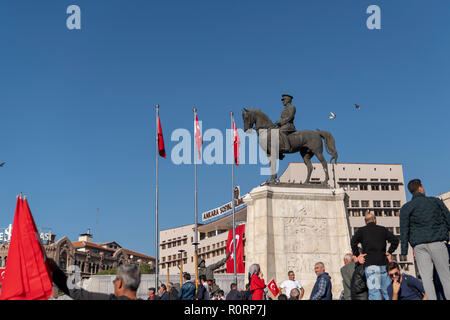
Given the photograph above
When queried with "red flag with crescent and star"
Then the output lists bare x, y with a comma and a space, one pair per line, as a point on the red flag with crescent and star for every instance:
240, 268
161, 148
236, 143
273, 287
198, 136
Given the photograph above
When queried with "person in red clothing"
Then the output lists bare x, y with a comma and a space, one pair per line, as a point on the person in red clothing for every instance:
256, 280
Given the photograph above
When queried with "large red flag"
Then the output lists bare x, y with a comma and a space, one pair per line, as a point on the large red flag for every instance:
198, 136
26, 274
236, 143
273, 288
161, 148
240, 268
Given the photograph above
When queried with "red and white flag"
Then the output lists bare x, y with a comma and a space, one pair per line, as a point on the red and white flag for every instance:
26, 274
198, 136
273, 287
240, 268
161, 148
236, 143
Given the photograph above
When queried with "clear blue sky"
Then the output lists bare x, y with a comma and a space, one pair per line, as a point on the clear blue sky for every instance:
77, 116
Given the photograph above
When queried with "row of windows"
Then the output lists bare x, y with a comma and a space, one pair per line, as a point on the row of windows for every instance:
175, 243
376, 203
373, 187
174, 257
172, 264
376, 212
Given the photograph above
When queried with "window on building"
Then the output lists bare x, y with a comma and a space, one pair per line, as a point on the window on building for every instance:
363, 187
343, 186
356, 213
214, 246
202, 235
395, 187
375, 187
163, 259
163, 266
388, 213
179, 243
377, 213
396, 204
213, 253
163, 247
385, 187
185, 241
391, 229
353, 187
365, 203
192, 259
355, 203
397, 230
169, 245
397, 213
192, 239
386, 203
377, 203
208, 248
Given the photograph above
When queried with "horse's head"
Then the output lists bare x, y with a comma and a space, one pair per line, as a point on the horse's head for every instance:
249, 119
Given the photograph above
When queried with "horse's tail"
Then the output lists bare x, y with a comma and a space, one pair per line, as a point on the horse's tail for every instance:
330, 145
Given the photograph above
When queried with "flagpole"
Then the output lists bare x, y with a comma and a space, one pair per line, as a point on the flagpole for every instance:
232, 204
156, 204
195, 206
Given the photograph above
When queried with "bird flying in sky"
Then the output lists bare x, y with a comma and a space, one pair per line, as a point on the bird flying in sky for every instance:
332, 116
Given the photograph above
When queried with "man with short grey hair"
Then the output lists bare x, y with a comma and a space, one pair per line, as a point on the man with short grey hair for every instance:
347, 273
322, 288
126, 284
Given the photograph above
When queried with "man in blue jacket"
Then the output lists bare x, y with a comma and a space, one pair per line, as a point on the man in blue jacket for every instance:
322, 287
187, 290
425, 224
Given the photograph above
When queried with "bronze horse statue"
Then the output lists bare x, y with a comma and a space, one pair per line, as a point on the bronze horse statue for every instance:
307, 142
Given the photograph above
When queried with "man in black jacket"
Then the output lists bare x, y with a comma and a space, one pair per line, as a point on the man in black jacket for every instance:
374, 257
425, 224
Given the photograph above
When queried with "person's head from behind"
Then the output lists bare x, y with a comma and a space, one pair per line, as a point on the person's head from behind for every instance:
253, 269
369, 218
319, 268
282, 297
220, 293
169, 286
127, 279
202, 278
295, 294
233, 286
186, 276
393, 271
247, 287
291, 275
415, 186
348, 258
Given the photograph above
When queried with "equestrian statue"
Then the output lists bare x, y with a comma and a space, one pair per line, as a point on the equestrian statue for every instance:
307, 142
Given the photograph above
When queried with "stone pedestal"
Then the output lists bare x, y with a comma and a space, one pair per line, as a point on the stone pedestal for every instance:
291, 227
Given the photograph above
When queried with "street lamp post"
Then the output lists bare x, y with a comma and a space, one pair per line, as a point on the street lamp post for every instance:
181, 266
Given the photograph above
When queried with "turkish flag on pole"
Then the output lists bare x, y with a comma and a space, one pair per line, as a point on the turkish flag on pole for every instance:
240, 268
273, 288
161, 148
236, 143
26, 274
198, 135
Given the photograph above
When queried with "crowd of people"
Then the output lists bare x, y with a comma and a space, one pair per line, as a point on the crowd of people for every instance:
369, 271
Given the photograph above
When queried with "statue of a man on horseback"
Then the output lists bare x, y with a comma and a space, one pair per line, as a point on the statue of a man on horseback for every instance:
286, 124
288, 140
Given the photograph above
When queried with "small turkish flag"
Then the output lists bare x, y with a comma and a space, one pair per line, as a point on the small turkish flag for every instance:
161, 148
273, 288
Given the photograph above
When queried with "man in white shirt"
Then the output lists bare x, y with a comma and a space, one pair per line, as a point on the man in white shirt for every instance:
290, 284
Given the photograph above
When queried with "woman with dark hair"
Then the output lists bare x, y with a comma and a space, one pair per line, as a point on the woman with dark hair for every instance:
256, 280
